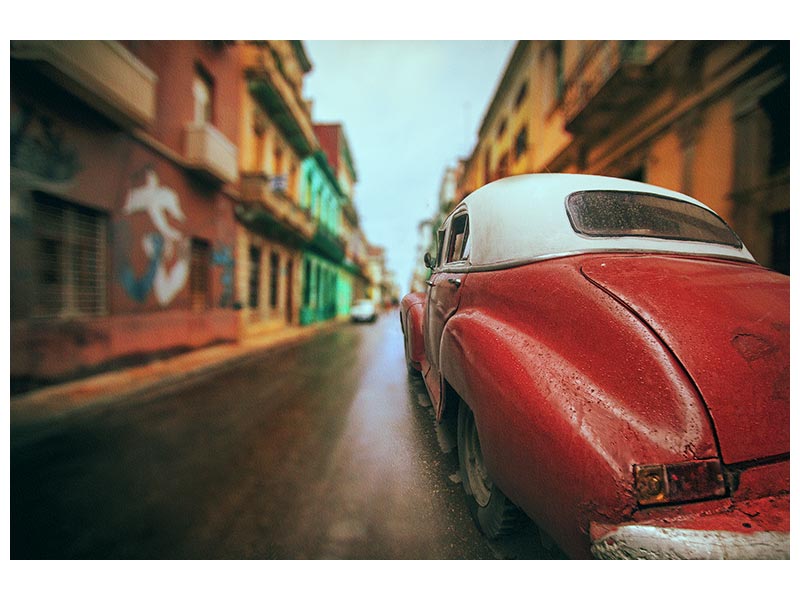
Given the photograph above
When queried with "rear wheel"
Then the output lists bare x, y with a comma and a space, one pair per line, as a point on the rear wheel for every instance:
495, 514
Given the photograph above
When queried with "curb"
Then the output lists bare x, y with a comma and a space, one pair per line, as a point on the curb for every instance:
144, 381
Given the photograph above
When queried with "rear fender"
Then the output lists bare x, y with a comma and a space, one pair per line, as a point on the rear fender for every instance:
569, 391
412, 313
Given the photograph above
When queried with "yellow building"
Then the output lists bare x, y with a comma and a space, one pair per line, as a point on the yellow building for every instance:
710, 119
275, 136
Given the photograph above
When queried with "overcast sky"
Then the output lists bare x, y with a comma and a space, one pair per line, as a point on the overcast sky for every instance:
409, 110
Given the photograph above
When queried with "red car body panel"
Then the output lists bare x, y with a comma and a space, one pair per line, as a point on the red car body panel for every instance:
575, 373
412, 309
728, 323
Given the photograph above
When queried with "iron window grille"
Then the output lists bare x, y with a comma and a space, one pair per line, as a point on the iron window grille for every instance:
69, 258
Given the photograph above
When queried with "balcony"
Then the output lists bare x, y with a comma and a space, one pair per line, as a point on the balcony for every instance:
103, 74
279, 216
278, 98
210, 153
608, 82
326, 243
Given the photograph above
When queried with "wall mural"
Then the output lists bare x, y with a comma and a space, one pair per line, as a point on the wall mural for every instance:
167, 249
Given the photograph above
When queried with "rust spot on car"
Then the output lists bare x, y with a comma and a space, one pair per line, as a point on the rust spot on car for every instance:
752, 347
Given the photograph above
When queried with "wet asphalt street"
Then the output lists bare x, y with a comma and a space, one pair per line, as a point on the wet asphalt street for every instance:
325, 449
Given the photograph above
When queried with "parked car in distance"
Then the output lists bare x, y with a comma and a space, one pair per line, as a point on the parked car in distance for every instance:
363, 311
618, 367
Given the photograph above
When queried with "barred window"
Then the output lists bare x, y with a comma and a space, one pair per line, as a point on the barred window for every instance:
198, 274
69, 259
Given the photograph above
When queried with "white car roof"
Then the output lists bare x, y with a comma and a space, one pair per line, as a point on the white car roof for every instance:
524, 218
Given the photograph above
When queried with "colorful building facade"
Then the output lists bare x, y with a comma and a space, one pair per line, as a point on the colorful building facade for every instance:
159, 202
707, 118
323, 255
342, 276
122, 226
273, 227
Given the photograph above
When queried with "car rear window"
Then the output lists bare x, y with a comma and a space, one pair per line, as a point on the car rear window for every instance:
617, 213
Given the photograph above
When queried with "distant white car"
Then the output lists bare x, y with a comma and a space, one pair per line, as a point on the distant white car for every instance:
363, 311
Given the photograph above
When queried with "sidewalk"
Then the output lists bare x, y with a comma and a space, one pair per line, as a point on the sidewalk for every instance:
58, 400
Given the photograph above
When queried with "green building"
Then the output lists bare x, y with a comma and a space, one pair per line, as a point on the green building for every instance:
325, 290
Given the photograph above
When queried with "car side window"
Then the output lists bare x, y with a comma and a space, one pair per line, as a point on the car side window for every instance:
440, 245
458, 241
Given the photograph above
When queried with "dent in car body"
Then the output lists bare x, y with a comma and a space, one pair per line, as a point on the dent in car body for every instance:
728, 323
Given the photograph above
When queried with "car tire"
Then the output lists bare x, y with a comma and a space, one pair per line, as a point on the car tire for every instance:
494, 514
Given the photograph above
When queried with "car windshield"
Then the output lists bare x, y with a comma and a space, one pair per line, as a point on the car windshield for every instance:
618, 213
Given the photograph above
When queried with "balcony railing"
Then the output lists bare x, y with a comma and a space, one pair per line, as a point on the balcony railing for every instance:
610, 77
258, 188
328, 244
103, 74
207, 150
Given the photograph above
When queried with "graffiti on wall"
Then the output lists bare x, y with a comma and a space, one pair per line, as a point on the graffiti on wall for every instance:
167, 249
39, 147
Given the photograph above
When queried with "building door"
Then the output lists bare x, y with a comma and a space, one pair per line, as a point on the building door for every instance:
289, 290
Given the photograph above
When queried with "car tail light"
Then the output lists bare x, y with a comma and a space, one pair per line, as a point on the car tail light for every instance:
678, 482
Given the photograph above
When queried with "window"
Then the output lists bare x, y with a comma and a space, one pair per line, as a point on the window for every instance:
521, 142
780, 242
289, 290
523, 92
320, 286
440, 245
558, 53
69, 259
292, 183
306, 282
457, 242
258, 154
278, 161
274, 265
203, 92
198, 274
617, 214
776, 107
636, 174
502, 128
502, 166
254, 281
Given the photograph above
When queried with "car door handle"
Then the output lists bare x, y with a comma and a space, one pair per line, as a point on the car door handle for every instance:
454, 281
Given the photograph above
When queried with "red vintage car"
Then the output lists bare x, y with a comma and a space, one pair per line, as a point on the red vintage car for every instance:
618, 365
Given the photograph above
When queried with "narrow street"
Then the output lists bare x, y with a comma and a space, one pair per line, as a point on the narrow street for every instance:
324, 449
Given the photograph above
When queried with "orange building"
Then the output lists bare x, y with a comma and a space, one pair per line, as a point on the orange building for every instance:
710, 119
276, 135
